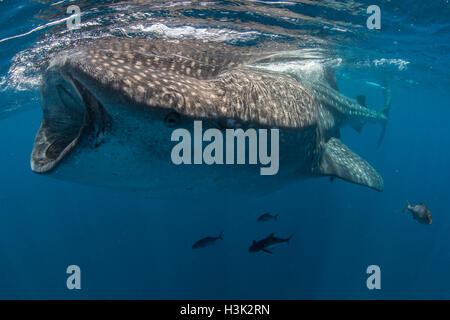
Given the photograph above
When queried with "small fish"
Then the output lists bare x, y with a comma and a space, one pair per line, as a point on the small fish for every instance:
267, 217
267, 243
205, 242
420, 213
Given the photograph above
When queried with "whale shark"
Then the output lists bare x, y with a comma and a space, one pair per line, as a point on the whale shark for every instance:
110, 106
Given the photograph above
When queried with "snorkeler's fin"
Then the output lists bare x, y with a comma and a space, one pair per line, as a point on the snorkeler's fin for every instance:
339, 161
385, 111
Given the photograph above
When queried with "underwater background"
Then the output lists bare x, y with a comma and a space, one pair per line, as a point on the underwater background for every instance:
132, 247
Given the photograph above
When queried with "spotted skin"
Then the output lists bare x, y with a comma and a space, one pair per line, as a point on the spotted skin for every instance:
338, 160
189, 82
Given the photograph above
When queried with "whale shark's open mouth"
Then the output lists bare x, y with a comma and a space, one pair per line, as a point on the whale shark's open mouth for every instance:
70, 112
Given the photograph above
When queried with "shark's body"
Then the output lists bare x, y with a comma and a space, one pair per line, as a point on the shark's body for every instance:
267, 243
110, 108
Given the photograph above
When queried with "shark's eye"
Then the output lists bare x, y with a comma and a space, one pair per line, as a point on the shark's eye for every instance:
172, 118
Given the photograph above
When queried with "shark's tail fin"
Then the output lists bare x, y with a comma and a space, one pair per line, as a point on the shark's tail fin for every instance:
290, 237
220, 235
407, 206
276, 217
385, 111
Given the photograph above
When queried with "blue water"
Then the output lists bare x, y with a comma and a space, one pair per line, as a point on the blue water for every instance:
132, 247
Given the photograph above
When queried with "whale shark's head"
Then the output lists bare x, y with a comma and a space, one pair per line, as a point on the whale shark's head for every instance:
109, 109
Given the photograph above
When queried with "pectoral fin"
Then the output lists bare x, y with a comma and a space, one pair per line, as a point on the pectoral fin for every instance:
339, 161
267, 251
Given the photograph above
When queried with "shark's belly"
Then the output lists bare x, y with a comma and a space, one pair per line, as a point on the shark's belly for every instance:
143, 162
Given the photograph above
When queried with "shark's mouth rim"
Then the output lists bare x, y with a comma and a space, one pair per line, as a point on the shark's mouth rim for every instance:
70, 111
40, 165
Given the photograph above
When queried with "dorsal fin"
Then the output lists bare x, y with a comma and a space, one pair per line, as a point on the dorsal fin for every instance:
361, 100
339, 161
